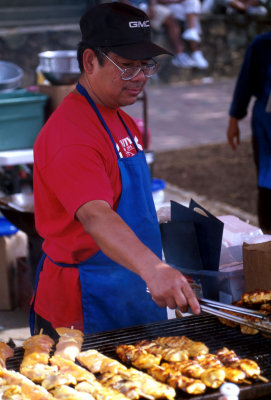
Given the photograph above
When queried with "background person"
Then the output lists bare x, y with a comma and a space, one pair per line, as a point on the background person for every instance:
254, 80
93, 200
162, 17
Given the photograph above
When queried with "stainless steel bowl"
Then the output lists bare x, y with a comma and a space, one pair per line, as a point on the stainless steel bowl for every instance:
59, 67
10, 76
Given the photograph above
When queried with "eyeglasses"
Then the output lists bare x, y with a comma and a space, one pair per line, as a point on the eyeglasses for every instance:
130, 72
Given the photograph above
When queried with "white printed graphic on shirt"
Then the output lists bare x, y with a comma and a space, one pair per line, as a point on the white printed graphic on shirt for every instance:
127, 147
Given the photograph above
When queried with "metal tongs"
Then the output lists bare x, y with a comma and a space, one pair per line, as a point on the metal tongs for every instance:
216, 308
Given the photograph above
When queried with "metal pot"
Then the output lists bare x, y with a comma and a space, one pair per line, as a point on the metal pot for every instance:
59, 67
10, 76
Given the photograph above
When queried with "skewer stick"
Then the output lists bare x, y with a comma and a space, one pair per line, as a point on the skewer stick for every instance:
247, 382
263, 379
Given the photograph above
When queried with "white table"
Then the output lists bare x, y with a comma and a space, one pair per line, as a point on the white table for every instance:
16, 157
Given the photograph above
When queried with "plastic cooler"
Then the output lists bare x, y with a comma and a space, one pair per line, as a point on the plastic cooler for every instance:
21, 118
225, 285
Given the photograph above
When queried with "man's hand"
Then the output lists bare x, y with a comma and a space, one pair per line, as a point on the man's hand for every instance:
169, 288
233, 133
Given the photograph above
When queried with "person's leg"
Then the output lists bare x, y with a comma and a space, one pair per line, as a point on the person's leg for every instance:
163, 17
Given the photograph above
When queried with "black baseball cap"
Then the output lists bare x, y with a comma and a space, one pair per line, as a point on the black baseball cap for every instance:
123, 28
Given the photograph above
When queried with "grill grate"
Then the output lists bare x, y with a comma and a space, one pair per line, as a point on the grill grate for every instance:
204, 328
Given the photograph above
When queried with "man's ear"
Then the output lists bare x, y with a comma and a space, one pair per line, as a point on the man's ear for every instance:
89, 58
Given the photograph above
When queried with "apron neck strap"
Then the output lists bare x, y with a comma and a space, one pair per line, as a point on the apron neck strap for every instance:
84, 93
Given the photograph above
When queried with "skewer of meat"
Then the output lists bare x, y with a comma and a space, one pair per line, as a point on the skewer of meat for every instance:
68, 393
36, 357
148, 387
96, 362
5, 352
28, 388
256, 298
175, 372
230, 359
100, 392
182, 342
85, 379
137, 356
69, 343
174, 377
167, 353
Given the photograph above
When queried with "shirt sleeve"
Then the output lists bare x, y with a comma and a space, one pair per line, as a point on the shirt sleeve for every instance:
81, 177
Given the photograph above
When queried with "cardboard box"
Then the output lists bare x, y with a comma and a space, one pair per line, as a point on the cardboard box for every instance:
11, 248
55, 95
257, 266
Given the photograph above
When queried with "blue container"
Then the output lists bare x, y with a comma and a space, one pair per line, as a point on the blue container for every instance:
21, 118
7, 228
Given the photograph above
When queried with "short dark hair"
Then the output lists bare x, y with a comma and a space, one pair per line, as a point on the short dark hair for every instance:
82, 46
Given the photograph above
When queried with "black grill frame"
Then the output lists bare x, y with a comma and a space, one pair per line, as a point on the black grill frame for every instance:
204, 328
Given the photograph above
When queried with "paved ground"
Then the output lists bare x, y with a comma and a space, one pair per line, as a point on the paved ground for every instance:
181, 115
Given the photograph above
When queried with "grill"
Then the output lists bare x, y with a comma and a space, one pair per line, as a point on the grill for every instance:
205, 328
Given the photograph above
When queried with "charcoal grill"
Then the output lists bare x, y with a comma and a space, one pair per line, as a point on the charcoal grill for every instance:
205, 328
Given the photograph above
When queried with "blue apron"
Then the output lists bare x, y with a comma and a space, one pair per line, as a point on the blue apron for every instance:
112, 296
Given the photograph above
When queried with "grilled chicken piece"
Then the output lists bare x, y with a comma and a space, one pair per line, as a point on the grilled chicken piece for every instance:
118, 382
69, 343
266, 307
208, 360
255, 298
227, 356
167, 353
5, 352
137, 384
57, 379
38, 372
182, 342
98, 362
29, 389
235, 375
213, 377
138, 357
100, 392
12, 392
172, 375
150, 386
190, 368
36, 350
67, 393
68, 366
249, 367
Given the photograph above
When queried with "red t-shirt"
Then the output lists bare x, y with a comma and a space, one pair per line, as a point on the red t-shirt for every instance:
74, 162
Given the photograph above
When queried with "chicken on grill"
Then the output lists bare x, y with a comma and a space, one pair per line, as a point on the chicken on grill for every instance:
97, 362
256, 298
100, 392
5, 352
36, 357
68, 393
167, 353
69, 343
182, 342
168, 374
138, 357
28, 388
